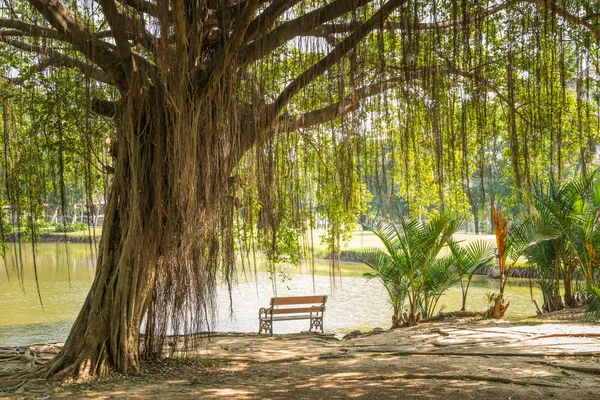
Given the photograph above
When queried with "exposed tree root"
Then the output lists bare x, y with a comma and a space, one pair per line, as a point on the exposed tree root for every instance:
362, 352
11, 383
471, 344
477, 353
455, 314
19, 385
554, 335
19, 364
587, 370
495, 379
487, 330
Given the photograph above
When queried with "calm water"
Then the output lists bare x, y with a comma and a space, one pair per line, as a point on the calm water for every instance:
354, 302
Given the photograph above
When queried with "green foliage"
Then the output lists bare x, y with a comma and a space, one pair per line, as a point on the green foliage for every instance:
76, 227
593, 308
562, 238
472, 115
468, 259
410, 268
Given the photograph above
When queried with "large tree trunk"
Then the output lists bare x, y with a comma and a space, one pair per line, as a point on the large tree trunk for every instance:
106, 333
163, 238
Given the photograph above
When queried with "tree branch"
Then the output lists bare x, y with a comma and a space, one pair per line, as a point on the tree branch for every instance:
552, 6
267, 19
56, 59
293, 123
30, 30
591, 16
82, 40
178, 18
118, 27
19, 28
207, 80
296, 27
334, 56
339, 109
328, 29
104, 107
139, 34
143, 6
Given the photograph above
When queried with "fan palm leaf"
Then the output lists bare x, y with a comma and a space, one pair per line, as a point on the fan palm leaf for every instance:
408, 265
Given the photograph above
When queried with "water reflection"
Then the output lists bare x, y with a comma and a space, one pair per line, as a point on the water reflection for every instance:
354, 302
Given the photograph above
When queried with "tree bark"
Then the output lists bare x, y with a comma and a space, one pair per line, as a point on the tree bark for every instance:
396, 318
107, 331
499, 308
569, 265
146, 264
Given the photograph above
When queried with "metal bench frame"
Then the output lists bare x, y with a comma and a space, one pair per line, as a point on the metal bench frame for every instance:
278, 312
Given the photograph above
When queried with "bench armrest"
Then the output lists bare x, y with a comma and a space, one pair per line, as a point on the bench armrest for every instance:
265, 312
318, 310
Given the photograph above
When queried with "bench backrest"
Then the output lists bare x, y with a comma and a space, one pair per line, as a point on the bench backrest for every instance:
316, 304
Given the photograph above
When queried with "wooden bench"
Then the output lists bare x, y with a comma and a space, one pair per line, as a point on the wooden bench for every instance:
287, 309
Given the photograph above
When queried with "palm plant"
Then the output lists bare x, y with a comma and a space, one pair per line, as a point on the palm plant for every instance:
386, 268
440, 277
409, 267
535, 238
573, 209
593, 309
468, 260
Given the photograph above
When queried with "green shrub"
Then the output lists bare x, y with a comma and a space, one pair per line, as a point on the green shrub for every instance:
593, 309
76, 227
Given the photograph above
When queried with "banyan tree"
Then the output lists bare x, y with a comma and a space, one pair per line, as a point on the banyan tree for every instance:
218, 104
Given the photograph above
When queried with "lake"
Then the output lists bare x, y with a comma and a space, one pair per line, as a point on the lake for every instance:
66, 272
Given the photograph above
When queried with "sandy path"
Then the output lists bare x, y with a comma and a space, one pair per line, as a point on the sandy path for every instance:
445, 360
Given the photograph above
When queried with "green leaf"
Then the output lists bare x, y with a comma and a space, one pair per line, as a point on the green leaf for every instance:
597, 196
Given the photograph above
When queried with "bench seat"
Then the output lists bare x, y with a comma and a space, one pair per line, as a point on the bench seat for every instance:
289, 318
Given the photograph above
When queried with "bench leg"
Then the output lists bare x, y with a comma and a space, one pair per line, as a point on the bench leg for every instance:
266, 326
316, 322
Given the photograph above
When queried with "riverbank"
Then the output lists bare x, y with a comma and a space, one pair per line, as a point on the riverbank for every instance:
535, 358
60, 237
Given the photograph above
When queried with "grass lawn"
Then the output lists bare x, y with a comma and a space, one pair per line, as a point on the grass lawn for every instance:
364, 239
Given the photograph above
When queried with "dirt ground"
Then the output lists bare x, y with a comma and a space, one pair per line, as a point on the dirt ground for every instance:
540, 358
